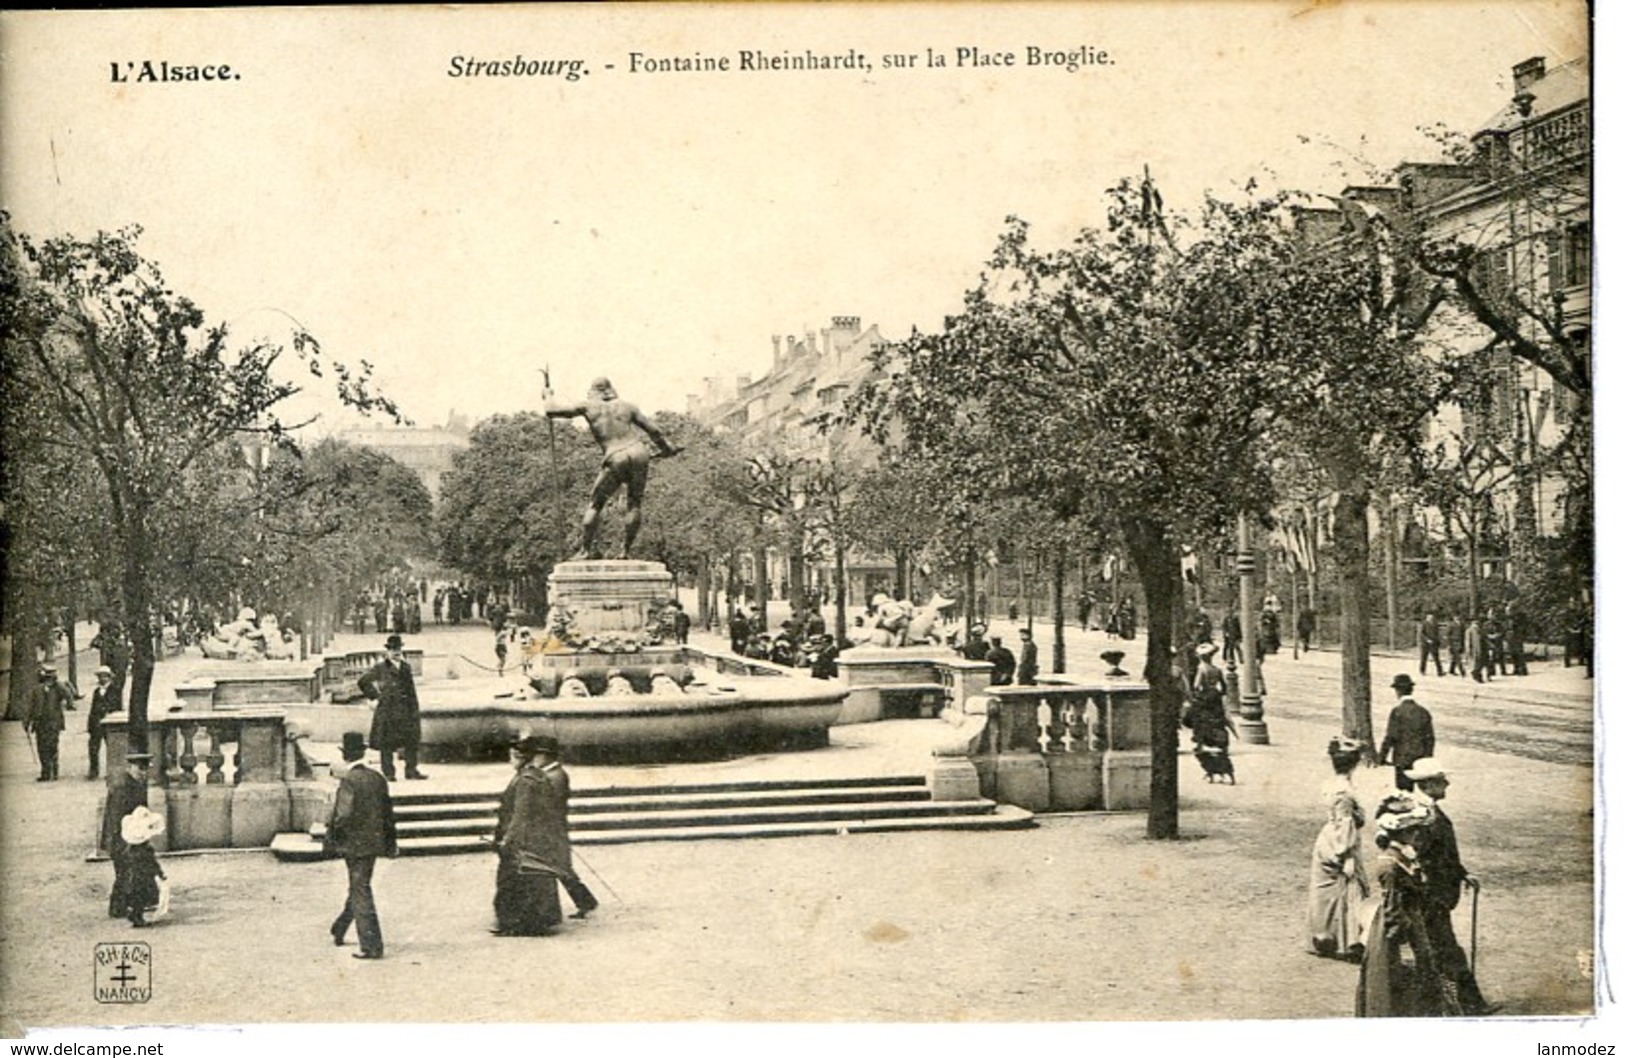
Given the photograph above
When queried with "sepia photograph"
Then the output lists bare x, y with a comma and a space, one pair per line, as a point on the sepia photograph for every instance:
1055, 521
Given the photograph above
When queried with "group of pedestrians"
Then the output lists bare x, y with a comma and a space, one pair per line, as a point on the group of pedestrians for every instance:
46, 718
1480, 648
1411, 963
532, 842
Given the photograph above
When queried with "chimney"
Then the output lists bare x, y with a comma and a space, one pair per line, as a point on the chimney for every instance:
1527, 73
778, 351
829, 346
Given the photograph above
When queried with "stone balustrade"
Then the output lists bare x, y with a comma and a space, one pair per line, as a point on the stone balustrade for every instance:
1054, 747
222, 778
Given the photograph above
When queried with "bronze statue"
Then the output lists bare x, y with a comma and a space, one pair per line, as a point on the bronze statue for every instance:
615, 425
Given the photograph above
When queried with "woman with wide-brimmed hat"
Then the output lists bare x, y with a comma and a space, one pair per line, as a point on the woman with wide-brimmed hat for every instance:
1337, 879
141, 895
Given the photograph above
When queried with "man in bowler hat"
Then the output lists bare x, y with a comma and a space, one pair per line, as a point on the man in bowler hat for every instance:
1410, 733
395, 723
361, 828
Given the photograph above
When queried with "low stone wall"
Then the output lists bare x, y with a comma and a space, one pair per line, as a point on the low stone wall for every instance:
1055, 747
221, 778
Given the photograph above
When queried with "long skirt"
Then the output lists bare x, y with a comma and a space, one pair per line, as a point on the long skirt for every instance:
527, 902
1335, 901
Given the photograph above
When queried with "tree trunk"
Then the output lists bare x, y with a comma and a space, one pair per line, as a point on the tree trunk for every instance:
137, 558
1390, 570
702, 591
762, 591
970, 592
840, 593
1058, 611
1472, 571
1151, 548
1352, 545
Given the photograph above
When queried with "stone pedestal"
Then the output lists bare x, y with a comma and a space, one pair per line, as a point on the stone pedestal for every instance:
309, 801
1126, 777
259, 812
954, 779
608, 595
1075, 782
200, 817
1022, 780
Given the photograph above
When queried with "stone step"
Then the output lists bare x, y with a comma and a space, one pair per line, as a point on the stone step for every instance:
412, 796
672, 817
657, 801
956, 815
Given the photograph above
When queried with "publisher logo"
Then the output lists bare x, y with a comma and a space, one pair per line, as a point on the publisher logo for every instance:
123, 972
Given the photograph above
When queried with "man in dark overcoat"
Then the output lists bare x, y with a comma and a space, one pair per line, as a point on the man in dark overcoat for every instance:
1027, 670
125, 793
395, 722
361, 828
1409, 737
533, 844
1443, 877
103, 700
1003, 662
46, 719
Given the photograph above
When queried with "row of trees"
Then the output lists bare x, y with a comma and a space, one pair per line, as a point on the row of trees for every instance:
147, 468
1160, 378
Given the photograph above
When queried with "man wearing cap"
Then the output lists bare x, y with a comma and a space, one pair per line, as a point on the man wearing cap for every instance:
533, 842
46, 720
103, 700
125, 794
1003, 662
1027, 670
395, 723
361, 829
976, 644
1410, 733
1444, 875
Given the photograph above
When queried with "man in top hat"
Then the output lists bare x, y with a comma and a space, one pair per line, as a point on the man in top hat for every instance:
1443, 876
1409, 737
361, 828
125, 793
103, 700
533, 842
395, 723
46, 720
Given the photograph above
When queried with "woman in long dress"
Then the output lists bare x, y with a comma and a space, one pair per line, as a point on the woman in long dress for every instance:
1337, 879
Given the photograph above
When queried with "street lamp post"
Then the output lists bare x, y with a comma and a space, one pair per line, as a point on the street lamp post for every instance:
1251, 726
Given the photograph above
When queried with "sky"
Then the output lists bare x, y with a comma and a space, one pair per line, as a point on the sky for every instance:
461, 233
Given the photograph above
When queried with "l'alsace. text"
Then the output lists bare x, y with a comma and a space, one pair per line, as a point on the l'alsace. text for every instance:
148, 71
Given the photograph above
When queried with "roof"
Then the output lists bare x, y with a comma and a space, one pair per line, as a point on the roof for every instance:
1561, 87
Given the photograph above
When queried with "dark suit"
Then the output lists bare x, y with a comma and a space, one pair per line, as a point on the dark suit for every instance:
1027, 672
1442, 868
1004, 665
1409, 738
103, 700
361, 828
46, 720
395, 723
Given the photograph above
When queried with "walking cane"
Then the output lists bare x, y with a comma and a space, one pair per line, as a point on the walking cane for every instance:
1472, 959
577, 854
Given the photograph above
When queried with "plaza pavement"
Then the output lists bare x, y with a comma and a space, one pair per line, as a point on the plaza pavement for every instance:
1079, 919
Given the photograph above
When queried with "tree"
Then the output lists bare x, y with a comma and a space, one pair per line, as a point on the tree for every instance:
510, 503
136, 384
1126, 377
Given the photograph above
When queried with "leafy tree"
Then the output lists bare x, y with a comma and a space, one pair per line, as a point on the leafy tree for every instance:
509, 505
1125, 376
133, 382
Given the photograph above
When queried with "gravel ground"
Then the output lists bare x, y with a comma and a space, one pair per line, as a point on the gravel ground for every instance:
1080, 919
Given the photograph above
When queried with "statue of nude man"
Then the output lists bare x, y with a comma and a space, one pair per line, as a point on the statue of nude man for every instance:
616, 426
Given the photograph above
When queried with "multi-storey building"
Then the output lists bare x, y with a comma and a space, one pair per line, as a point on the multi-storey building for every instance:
1513, 211
428, 451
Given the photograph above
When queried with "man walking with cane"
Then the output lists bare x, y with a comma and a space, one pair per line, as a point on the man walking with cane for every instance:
1443, 877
